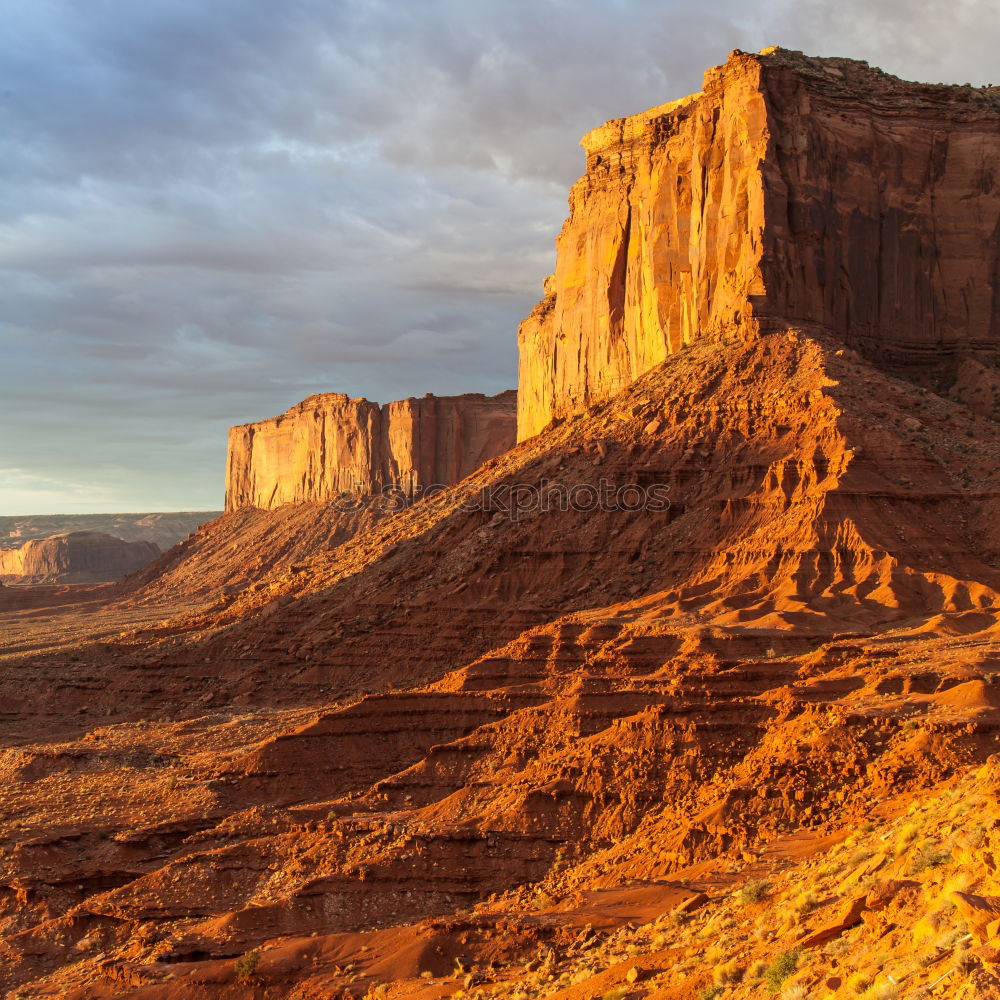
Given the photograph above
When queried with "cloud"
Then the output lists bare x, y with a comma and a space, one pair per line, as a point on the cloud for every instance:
209, 211
22, 490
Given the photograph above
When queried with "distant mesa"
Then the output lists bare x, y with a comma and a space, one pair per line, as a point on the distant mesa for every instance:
165, 528
330, 444
75, 557
791, 192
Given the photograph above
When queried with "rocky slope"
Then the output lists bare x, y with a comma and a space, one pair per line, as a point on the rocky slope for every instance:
330, 444
904, 905
75, 557
791, 191
456, 703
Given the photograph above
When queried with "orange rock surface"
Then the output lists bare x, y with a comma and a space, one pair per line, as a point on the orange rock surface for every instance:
330, 444
789, 192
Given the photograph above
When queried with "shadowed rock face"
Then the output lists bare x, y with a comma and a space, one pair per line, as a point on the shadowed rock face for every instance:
790, 192
75, 557
329, 444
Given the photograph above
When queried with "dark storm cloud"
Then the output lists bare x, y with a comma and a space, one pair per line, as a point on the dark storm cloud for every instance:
210, 210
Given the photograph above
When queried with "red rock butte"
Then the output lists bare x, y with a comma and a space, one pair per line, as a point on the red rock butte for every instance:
329, 444
818, 194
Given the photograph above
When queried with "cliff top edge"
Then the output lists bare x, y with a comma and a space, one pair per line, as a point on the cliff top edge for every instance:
320, 399
834, 76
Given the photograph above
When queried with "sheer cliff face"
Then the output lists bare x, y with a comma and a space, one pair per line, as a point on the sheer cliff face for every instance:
790, 192
883, 213
329, 444
662, 245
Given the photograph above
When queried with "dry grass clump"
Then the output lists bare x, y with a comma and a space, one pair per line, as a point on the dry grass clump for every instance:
838, 946
805, 902
728, 973
858, 983
794, 992
881, 991
964, 963
859, 857
907, 836
753, 891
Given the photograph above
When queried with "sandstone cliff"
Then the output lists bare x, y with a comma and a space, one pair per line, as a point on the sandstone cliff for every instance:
790, 192
329, 444
75, 557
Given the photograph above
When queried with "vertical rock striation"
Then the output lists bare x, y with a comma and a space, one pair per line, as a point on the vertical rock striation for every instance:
790, 192
330, 444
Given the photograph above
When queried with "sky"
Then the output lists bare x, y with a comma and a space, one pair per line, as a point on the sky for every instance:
211, 210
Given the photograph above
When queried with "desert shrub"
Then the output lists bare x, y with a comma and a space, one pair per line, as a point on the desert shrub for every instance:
754, 891
881, 991
907, 835
794, 992
757, 970
947, 940
714, 954
858, 983
780, 969
837, 946
964, 963
246, 967
619, 993
804, 902
709, 993
929, 857
729, 972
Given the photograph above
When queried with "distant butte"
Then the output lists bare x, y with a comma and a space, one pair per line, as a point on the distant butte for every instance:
329, 444
75, 557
